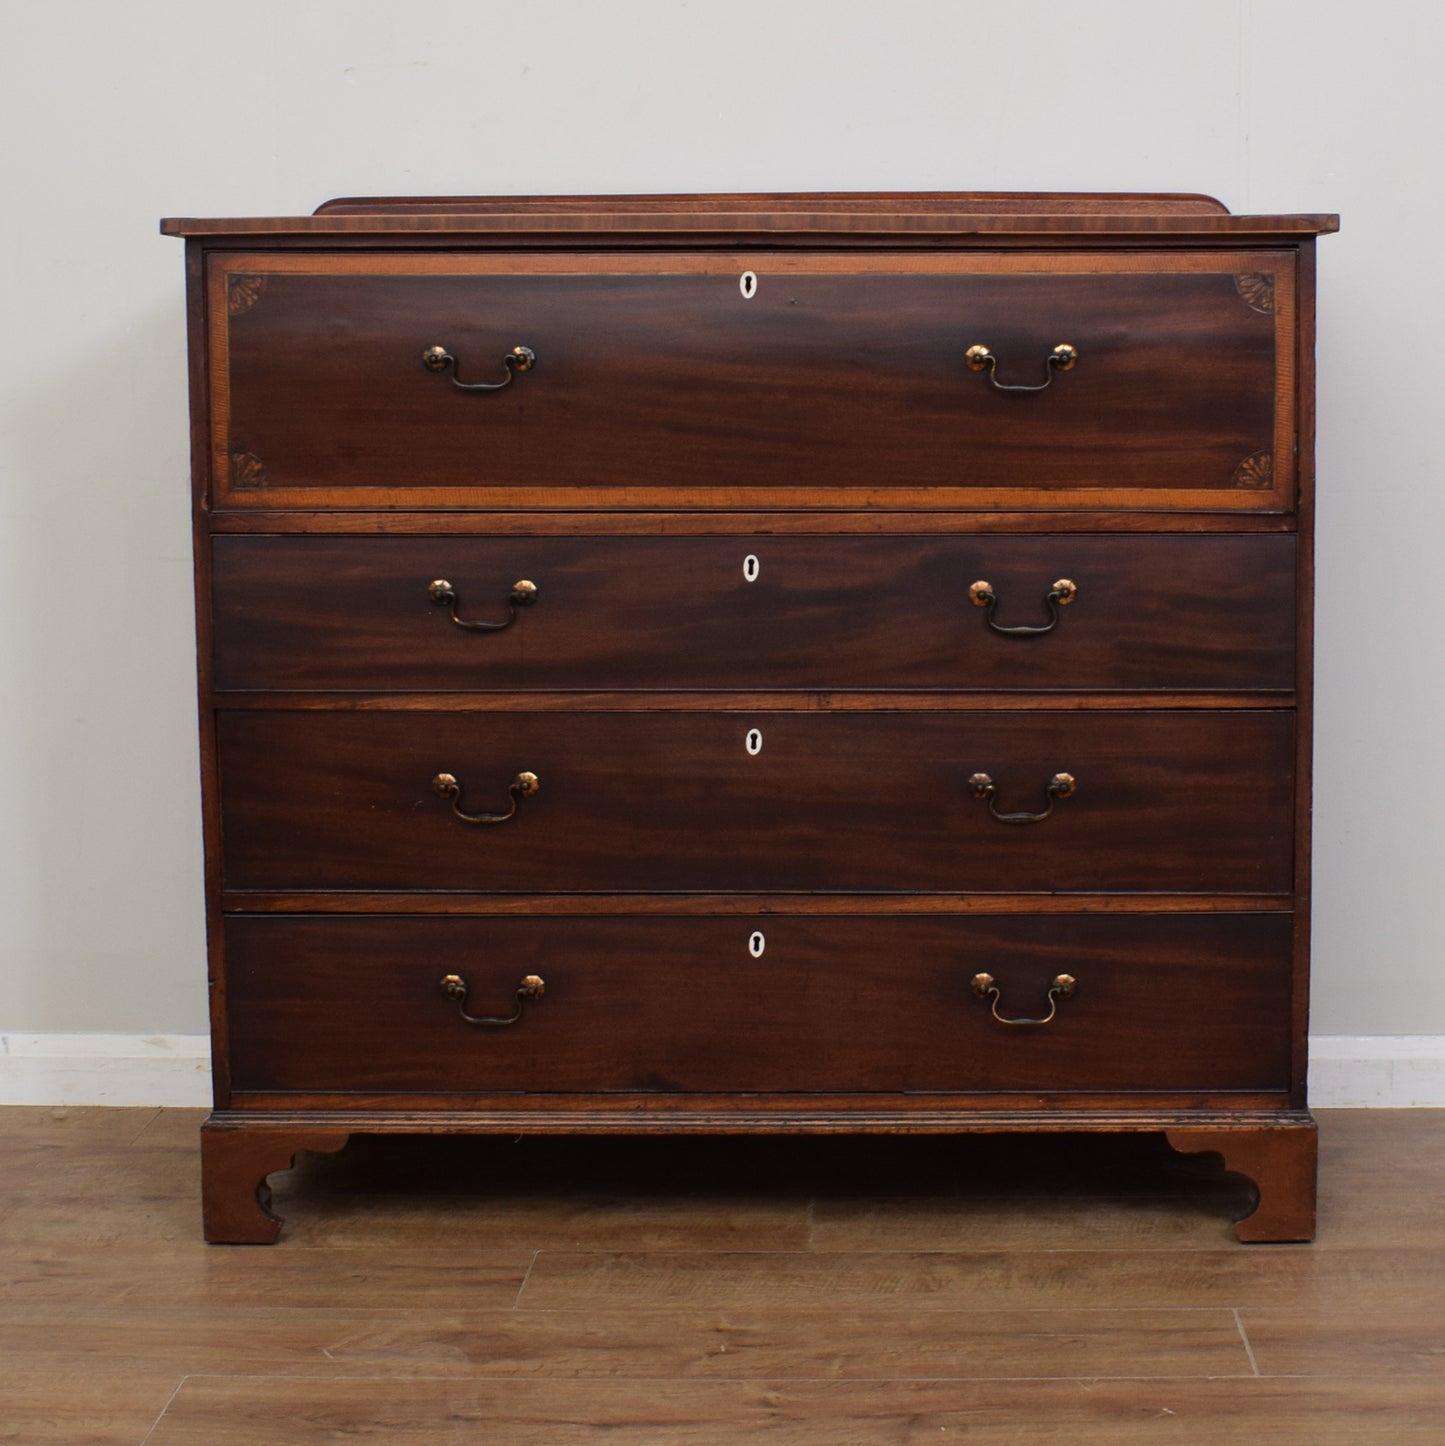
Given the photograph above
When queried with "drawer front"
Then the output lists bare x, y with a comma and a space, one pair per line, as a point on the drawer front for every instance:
757, 802
840, 381
1148, 612
1177, 1002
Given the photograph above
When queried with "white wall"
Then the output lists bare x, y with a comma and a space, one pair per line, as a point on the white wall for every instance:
117, 113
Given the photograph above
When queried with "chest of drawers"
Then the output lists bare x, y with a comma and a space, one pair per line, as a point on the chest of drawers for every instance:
755, 664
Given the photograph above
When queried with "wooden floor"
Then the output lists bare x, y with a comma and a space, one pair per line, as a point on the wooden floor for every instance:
694, 1291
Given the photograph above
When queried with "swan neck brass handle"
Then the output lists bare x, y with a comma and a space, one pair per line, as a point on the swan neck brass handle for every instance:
1063, 358
1063, 986
444, 595
1060, 595
519, 359
446, 785
1061, 785
530, 988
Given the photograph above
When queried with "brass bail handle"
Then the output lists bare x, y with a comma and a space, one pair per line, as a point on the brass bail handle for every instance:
447, 785
519, 359
1061, 785
444, 595
1060, 595
530, 988
1063, 358
1062, 988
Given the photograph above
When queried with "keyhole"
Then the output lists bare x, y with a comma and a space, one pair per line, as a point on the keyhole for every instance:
754, 741
751, 568
748, 285
756, 944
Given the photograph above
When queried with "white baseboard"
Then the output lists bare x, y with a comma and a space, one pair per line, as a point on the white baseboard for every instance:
1346, 1071
105, 1069
1377, 1072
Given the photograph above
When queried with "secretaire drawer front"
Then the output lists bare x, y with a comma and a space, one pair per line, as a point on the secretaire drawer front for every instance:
976, 613
1179, 1002
1191, 801
769, 380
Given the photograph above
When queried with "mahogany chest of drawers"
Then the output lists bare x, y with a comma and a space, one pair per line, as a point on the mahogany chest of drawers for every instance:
755, 664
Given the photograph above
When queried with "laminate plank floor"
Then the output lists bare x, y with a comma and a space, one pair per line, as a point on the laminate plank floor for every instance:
711, 1291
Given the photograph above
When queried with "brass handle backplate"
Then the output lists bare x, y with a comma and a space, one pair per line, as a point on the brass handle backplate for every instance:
1063, 358
444, 595
519, 359
446, 785
982, 595
531, 987
1061, 785
1062, 987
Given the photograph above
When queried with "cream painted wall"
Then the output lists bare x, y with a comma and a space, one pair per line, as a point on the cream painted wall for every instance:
117, 113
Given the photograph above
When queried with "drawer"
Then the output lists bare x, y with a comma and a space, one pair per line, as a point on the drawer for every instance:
1165, 801
1149, 612
1175, 1002
840, 381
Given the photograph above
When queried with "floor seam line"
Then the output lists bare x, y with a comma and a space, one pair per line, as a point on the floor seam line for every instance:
170, 1400
517, 1304
1244, 1341
136, 1138
621, 1382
